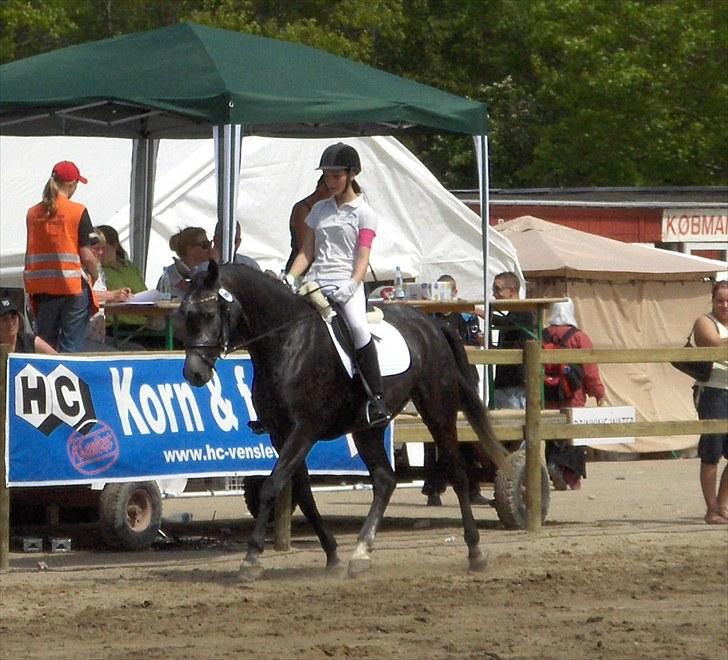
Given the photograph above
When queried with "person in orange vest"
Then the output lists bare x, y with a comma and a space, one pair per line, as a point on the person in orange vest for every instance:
57, 251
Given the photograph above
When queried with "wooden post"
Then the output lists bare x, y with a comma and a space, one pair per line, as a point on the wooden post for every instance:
4, 494
283, 512
532, 361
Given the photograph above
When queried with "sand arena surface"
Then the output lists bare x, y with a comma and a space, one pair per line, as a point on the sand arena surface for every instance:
625, 568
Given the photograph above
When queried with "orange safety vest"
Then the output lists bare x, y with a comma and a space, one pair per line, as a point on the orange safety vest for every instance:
52, 260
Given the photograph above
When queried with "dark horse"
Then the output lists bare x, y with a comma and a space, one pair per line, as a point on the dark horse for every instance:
303, 394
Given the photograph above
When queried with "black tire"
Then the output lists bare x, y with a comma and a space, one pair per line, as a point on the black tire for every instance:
510, 500
130, 515
251, 495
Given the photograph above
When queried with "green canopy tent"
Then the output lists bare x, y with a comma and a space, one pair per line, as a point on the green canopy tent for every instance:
191, 81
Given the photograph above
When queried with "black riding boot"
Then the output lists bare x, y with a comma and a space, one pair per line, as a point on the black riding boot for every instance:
366, 357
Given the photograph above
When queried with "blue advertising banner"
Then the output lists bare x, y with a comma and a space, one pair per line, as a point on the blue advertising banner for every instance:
86, 419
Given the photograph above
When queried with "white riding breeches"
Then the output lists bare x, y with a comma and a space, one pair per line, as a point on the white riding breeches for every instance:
354, 310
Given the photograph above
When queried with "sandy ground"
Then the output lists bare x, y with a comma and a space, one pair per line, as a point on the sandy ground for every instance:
624, 568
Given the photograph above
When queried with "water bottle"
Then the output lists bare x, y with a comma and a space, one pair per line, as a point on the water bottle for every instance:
398, 284
165, 286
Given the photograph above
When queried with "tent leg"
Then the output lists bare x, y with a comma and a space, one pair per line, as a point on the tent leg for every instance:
141, 199
228, 149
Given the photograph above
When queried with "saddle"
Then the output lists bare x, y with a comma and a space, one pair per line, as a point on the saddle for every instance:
392, 351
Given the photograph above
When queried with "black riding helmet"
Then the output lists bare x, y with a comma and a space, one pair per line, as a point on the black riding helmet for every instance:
340, 156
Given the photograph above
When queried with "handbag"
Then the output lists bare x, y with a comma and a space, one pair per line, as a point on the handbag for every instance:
700, 371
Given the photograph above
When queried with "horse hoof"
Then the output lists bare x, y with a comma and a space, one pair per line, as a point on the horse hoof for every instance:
479, 563
337, 570
249, 572
358, 566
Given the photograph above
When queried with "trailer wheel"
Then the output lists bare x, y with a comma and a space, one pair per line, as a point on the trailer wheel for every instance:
510, 494
130, 515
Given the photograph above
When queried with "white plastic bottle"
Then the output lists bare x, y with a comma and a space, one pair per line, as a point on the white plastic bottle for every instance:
399, 292
165, 286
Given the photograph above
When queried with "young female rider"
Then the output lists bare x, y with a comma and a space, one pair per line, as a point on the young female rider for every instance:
337, 251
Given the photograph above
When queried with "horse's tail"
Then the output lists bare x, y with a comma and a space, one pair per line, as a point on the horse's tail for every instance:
472, 405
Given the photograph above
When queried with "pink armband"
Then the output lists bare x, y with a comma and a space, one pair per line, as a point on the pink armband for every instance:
366, 237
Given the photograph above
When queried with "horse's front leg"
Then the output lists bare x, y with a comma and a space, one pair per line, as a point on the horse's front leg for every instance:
293, 452
370, 444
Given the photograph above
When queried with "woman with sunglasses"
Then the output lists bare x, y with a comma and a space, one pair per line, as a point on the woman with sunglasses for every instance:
193, 252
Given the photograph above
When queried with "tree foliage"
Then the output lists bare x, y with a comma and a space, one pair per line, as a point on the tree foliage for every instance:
580, 92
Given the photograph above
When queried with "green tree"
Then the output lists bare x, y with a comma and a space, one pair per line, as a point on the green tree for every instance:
630, 93
580, 92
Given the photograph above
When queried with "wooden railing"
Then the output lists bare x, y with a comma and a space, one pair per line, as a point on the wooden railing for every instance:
536, 429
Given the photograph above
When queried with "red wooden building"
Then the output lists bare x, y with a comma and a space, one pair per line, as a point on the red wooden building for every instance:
693, 220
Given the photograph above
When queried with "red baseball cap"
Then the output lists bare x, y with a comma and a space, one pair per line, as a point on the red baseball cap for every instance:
67, 171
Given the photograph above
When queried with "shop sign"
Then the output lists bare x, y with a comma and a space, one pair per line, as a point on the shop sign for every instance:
695, 225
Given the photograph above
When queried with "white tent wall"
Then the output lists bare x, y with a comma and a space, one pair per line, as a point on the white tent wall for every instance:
25, 165
423, 228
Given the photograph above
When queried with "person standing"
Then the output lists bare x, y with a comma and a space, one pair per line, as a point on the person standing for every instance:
514, 329
567, 464
336, 255
297, 222
57, 251
711, 400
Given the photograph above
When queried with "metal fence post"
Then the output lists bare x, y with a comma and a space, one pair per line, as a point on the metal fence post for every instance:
4, 494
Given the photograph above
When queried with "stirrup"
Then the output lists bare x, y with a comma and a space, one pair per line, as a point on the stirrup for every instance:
377, 413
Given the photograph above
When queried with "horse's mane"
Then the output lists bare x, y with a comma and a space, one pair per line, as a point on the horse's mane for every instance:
254, 287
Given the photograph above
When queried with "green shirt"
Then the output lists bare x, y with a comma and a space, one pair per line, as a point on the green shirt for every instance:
126, 275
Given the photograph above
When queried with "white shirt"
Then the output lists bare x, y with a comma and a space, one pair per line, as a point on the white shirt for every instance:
719, 375
336, 229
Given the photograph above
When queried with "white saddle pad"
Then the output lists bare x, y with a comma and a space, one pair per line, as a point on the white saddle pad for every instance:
392, 351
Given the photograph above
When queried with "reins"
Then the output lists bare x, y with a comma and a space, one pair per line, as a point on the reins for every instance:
225, 300
272, 331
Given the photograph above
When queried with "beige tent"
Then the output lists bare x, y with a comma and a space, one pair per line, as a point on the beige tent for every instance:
626, 296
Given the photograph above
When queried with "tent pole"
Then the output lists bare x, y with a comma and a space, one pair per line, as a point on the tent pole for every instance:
228, 149
141, 199
481, 144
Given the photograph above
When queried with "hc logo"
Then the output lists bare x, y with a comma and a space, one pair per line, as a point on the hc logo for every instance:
45, 402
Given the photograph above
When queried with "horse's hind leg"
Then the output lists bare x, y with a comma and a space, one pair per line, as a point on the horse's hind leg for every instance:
370, 444
443, 428
304, 498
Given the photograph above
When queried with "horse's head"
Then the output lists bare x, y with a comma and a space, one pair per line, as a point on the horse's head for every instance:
207, 310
